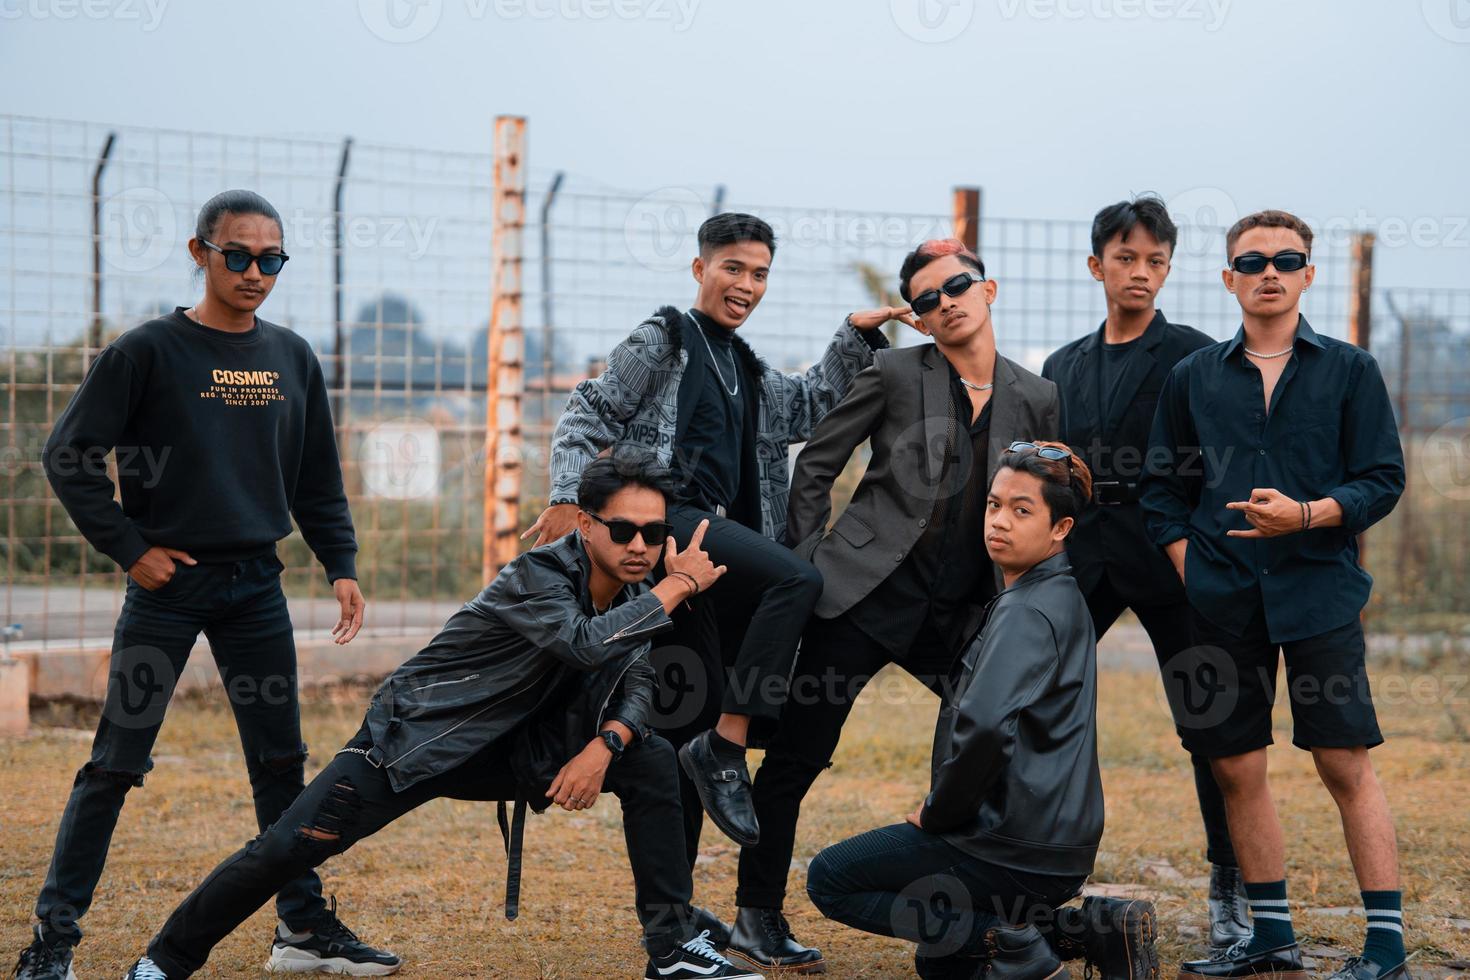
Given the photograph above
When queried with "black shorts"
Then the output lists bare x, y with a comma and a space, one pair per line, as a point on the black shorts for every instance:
1226, 689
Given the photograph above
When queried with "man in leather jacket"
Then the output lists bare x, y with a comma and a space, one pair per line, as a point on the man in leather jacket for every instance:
539, 689
1010, 828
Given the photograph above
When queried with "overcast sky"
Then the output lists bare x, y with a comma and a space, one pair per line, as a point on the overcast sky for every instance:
1347, 111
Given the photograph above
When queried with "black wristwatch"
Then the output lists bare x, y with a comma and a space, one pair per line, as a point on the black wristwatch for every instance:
614, 743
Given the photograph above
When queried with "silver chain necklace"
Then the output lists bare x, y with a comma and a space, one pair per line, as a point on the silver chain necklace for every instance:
715, 361
1254, 353
974, 387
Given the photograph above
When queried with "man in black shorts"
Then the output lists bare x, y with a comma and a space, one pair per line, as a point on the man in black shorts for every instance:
1270, 453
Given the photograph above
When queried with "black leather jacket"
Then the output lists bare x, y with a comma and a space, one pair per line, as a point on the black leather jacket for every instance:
527, 656
1015, 776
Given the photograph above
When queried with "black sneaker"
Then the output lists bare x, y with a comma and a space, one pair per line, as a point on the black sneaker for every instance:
45, 961
146, 969
763, 939
330, 948
724, 790
695, 960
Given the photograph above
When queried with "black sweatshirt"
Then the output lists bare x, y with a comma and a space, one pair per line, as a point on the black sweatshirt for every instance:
220, 439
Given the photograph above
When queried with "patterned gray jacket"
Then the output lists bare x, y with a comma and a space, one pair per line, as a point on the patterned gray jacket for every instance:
635, 401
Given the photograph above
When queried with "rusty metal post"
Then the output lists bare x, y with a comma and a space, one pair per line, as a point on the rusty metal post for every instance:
1360, 319
1360, 299
967, 217
504, 382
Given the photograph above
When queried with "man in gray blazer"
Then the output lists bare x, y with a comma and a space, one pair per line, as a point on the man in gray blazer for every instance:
905, 569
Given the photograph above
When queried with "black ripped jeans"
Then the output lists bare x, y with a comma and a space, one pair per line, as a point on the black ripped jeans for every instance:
240, 608
351, 799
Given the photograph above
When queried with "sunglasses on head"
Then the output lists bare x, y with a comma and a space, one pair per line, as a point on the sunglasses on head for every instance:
927, 302
654, 533
1056, 454
1251, 263
238, 260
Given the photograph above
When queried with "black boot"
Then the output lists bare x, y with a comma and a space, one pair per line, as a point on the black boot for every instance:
724, 789
1115, 936
762, 938
1230, 911
1020, 953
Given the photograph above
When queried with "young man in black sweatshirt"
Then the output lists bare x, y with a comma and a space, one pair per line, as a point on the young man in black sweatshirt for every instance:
222, 433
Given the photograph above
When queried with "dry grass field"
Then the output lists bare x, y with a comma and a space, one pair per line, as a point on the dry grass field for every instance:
430, 886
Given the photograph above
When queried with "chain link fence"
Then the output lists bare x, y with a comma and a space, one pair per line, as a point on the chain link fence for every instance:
390, 281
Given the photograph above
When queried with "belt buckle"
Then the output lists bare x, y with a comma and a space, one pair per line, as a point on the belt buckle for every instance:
719, 510
1097, 493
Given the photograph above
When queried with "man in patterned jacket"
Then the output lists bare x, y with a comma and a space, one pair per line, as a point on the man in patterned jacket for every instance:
684, 386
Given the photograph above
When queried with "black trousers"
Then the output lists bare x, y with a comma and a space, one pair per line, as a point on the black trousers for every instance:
351, 799
905, 882
1171, 631
837, 660
732, 649
240, 608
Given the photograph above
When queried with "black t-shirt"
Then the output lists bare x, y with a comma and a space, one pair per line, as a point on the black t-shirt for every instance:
948, 568
712, 440
1114, 361
220, 439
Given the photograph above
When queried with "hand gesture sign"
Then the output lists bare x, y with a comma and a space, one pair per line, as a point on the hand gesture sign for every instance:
693, 561
871, 319
1271, 513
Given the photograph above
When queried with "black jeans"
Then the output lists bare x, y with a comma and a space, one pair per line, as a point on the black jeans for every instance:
352, 799
837, 660
732, 650
905, 882
1170, 629
240, 608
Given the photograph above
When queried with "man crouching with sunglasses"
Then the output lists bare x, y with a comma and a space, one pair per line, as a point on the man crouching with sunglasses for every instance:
1300, 454
538, 691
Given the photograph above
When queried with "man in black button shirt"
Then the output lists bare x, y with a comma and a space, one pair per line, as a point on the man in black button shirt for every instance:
1109, 384
1270, 454
904, 569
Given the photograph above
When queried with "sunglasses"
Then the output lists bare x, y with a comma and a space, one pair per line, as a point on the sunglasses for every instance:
622, 532
1045, 452
1252, 263
237, 260
927, 302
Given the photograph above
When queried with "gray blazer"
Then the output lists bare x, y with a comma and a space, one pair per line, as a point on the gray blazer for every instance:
903, 405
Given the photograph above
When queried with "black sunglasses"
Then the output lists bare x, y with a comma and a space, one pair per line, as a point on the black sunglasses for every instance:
654, 533
237, 260
1045, 452
1251, 263
927, 302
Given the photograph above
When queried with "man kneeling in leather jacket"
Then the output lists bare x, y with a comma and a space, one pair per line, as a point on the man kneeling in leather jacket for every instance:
978, 873
536, 691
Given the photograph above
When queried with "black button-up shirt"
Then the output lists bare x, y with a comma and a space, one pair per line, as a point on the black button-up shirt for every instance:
1330, 432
